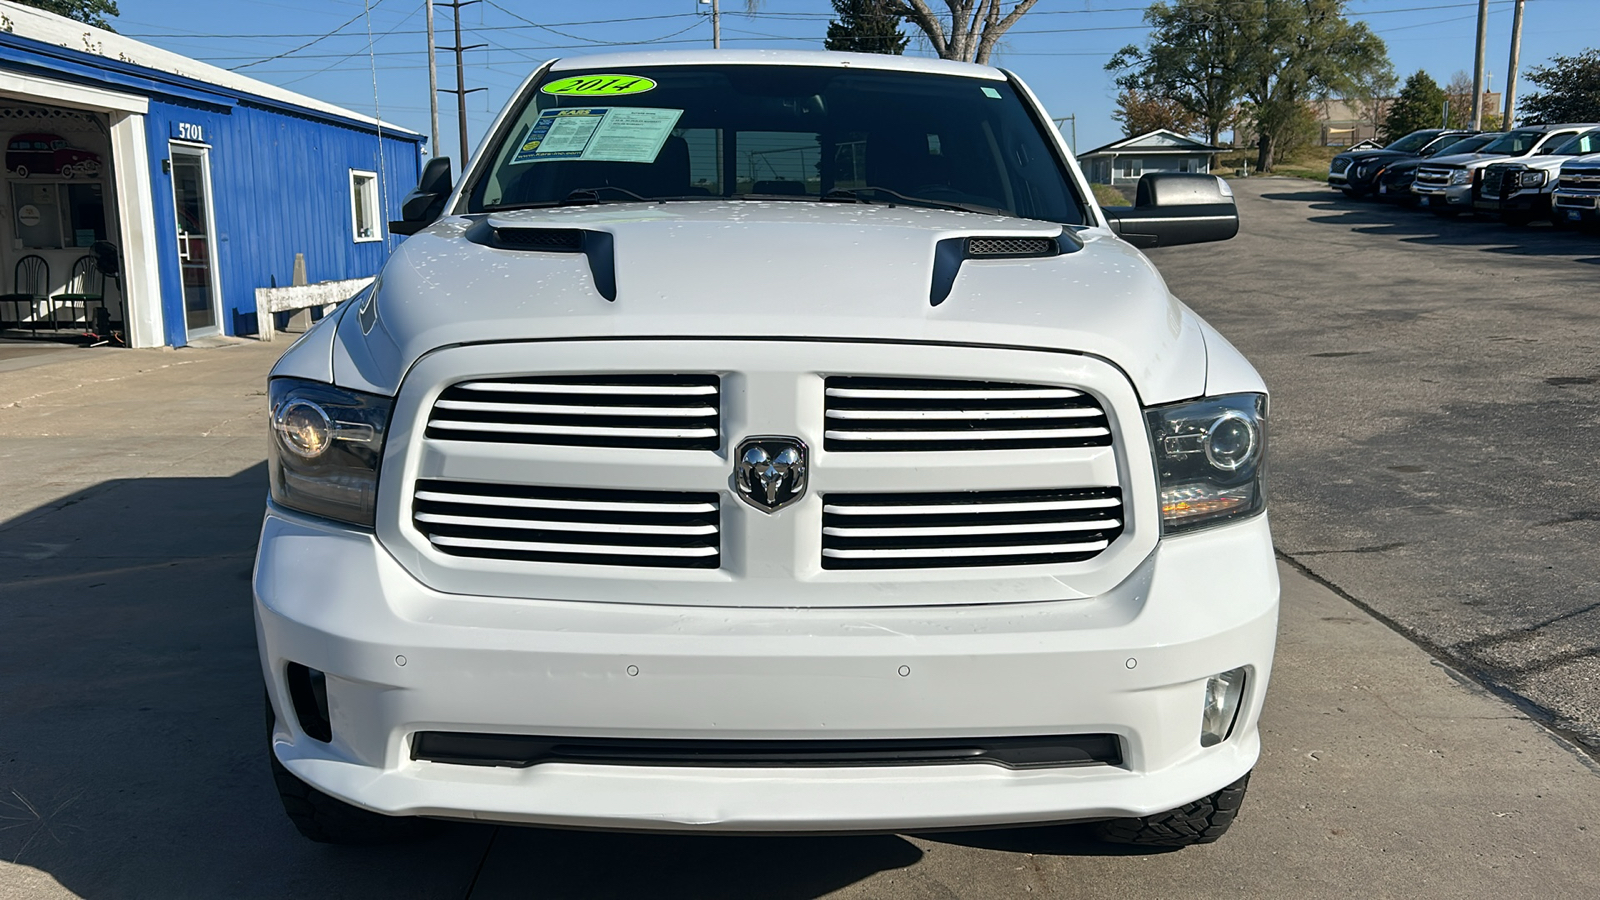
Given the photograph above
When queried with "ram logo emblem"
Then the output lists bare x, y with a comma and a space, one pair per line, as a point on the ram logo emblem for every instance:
769, 472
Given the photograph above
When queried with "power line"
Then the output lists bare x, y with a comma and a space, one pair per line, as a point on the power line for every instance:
352, 21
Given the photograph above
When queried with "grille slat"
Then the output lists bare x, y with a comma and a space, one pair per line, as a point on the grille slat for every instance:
915, 414
1019, 246
646, 412
976, 528
570, 525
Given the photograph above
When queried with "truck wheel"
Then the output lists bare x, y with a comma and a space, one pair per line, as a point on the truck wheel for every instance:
327, 820
1200, 822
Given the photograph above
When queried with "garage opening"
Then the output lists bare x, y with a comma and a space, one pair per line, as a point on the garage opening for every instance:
58, 204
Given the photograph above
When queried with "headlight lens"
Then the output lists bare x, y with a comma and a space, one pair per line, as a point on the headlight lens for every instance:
1210, 459
1460, 176
1532, 179
325, 447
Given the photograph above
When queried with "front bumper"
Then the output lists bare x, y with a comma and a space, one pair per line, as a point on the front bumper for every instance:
402, 658
1521, 201
1574, 206
1458, 196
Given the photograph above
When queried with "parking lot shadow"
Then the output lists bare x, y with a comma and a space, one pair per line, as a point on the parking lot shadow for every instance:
133, 760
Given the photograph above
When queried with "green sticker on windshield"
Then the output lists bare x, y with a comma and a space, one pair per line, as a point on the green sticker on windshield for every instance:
599, 86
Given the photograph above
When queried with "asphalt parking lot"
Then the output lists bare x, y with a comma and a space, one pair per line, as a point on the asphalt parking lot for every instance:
1430, 394
1436, 385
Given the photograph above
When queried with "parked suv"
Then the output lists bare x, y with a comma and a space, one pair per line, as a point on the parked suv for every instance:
1356, 172
1444, 185
1394, 179
769, 441
1577, 195
1519, 192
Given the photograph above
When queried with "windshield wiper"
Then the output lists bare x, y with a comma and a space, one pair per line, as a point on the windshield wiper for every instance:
585, 197
853, 195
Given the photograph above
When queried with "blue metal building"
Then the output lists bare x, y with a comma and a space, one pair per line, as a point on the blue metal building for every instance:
210, 184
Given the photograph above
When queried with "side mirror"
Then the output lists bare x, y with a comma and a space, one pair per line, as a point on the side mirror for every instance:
423, 206
1174, 208
105, 258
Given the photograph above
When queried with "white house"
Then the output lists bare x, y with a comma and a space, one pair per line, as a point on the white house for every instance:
1123, 161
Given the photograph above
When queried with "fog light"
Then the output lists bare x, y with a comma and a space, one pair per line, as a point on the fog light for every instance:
1223, 695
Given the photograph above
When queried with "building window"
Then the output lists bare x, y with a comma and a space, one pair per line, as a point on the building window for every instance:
364, 206
1131, 167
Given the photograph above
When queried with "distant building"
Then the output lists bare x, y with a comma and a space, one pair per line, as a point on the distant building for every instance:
1122, 162
208, 183
1344, 123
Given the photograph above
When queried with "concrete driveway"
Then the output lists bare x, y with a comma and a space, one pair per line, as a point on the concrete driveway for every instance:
132, 755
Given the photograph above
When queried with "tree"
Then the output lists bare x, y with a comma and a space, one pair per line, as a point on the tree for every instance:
89, 12
1571, 90
1295, 51
1191, 59
1419, 105
867, 26
1140, 111
973, 29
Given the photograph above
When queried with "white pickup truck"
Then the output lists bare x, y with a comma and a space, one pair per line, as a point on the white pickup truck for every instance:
1520, 190
770, 442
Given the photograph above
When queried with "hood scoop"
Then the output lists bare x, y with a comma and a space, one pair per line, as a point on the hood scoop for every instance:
598, 246
950, 253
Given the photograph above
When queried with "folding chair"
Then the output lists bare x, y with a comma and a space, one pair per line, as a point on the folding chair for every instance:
30, 284
84, 288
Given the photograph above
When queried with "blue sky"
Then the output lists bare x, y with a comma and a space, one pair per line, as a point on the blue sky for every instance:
1059, 48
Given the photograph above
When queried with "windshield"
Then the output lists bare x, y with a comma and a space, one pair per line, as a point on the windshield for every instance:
1438, 144
1413, 142
1515, 143
1470, 144
800, 133
1580, 145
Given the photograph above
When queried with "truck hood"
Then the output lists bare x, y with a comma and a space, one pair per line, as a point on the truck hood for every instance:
747, 269
1469, 160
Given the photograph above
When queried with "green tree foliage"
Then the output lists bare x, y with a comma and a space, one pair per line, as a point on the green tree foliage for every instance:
1296, 51
90, 12
866, 26
1191, 59
1140, 111
972, 30
1419, 105
1571, 90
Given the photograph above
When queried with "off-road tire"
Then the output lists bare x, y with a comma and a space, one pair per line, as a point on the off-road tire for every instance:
327, 820
1200, 822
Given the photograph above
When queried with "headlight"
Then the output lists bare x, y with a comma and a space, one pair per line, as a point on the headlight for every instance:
324, 449
1460, 176
1363, 170
1531, 179
1210, 459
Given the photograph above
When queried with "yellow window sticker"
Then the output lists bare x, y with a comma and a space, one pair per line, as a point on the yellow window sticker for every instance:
599, 86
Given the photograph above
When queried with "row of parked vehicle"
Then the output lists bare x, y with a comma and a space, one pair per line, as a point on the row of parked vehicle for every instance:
1519, 176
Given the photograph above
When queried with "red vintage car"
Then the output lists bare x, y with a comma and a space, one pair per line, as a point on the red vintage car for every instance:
48, 154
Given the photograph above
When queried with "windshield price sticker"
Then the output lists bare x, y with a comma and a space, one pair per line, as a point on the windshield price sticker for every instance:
597, 134
599, 86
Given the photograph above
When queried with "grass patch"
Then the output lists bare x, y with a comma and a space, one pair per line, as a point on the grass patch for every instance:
1106, 195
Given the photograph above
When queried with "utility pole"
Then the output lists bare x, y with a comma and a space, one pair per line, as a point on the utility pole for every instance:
716, 25
1511, 71
461, 90
1074, 120
1478, 65
433, 86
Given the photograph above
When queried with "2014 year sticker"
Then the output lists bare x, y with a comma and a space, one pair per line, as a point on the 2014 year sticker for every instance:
599, 86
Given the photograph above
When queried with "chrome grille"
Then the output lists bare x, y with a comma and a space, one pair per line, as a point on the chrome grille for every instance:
909, 414
1339, 165
1583, 179
660, 412
971, 528
1434, 176
1011, 247
671, 529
